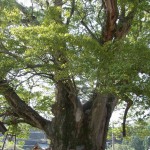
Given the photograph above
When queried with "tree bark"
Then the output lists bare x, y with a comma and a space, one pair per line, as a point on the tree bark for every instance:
76, 126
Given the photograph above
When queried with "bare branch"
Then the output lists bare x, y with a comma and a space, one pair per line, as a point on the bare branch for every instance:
129, 104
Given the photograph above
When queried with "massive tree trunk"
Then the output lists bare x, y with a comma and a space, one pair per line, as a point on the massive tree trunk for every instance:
75, 126
80, 127
84, 127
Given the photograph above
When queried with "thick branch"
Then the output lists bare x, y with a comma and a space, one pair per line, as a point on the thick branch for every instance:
124, 24
111, 17
112, 29
24, 111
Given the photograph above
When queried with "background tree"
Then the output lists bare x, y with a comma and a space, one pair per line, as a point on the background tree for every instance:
94, 52
137, 135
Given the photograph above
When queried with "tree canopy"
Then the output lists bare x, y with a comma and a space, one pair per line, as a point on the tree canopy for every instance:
97, 45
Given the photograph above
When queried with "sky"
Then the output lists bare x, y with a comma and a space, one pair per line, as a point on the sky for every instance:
25, 2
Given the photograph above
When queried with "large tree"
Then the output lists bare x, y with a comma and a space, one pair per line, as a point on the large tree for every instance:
86, 56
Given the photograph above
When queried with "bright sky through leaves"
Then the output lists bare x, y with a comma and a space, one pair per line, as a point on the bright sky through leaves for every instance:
25, 2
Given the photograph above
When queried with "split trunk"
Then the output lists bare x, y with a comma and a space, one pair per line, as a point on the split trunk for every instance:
77, 126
